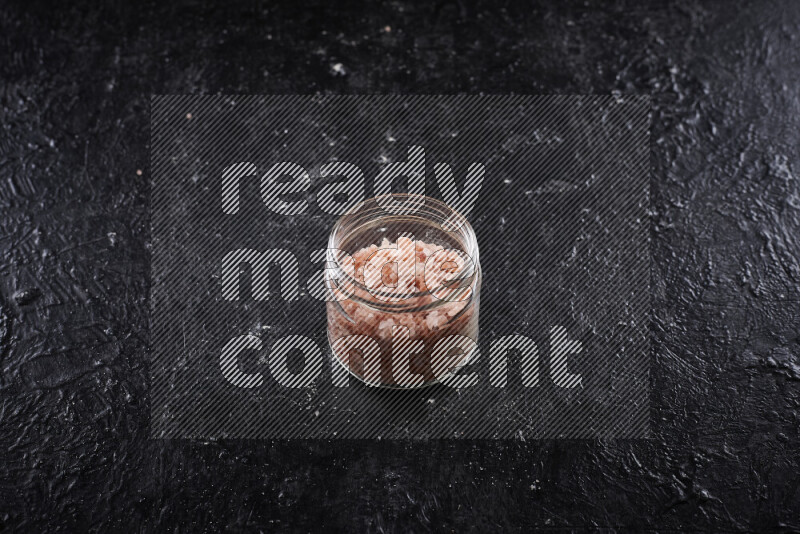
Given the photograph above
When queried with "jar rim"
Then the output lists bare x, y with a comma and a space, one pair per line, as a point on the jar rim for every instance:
447, 218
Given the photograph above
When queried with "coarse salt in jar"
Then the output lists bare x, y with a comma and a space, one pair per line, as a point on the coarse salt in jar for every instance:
403, 282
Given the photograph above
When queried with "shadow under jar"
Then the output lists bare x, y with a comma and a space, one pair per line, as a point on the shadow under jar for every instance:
403, 291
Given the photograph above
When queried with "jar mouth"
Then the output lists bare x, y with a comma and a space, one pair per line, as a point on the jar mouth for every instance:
419, 211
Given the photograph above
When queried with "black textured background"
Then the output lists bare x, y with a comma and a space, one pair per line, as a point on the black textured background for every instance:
76, 83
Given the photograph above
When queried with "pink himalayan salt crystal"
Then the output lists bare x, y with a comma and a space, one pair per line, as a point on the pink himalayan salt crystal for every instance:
404, 271
399, 270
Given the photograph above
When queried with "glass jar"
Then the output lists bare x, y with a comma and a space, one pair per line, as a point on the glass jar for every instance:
403, 291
